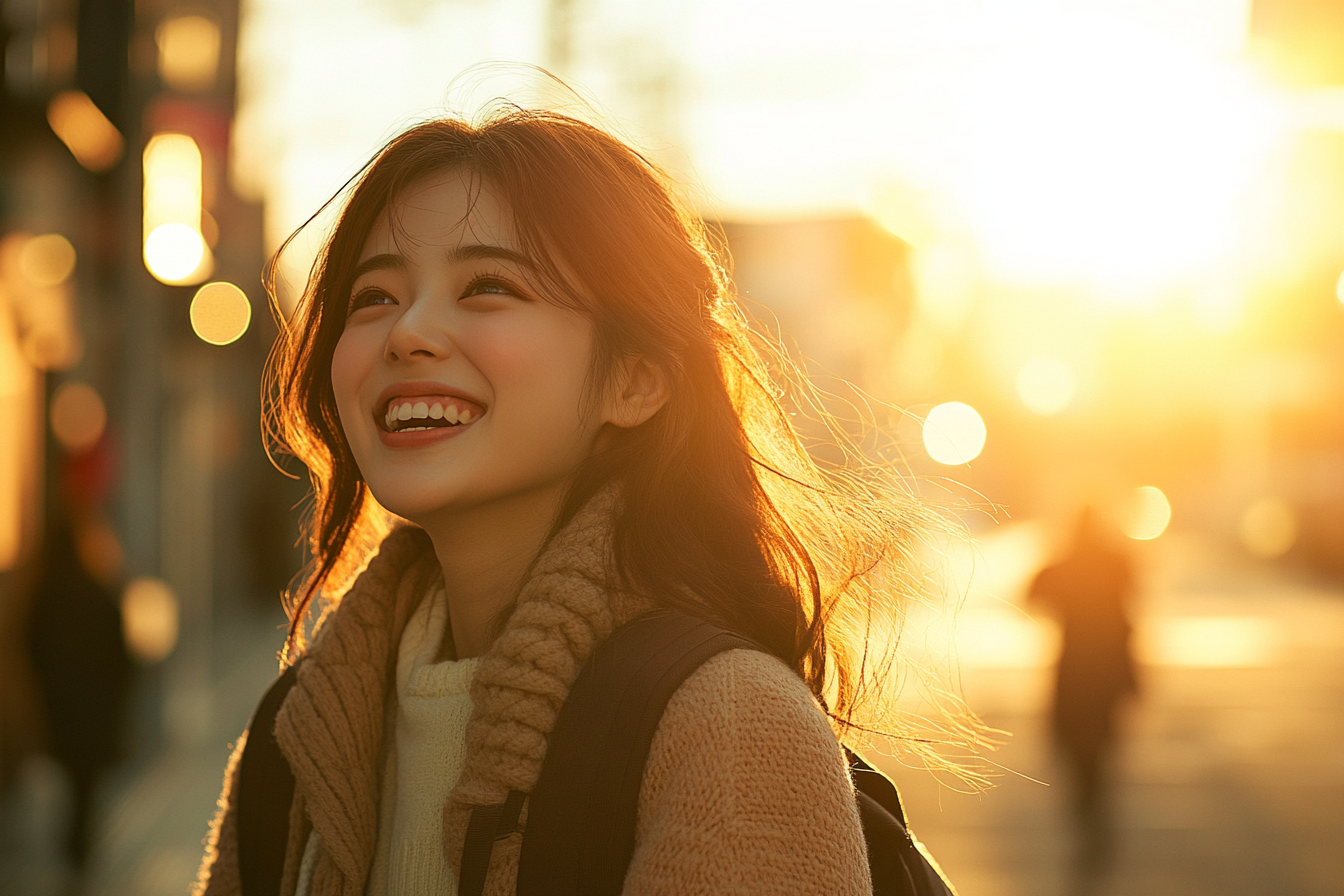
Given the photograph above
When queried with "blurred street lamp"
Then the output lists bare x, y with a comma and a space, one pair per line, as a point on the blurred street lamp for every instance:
175, 251
91, 138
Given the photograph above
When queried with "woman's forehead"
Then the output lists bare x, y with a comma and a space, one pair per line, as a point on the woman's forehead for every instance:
446, 209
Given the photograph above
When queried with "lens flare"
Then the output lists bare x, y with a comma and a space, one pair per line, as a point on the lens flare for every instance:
954, 433
1148, 515
220, 313
1046, 386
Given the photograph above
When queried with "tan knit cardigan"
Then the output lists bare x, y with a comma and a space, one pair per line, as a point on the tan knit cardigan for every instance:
745, 791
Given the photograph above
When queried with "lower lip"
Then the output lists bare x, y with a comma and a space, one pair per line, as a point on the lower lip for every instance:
421, 438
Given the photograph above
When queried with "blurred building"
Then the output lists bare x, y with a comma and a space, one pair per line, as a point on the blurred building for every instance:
115, 209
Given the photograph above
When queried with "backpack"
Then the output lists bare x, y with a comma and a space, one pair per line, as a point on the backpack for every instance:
580, 833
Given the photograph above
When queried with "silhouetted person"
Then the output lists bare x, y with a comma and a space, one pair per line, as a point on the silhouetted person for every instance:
83, 672
1089, 592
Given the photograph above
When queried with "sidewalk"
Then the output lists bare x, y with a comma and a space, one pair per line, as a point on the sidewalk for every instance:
155, 809
1231, 781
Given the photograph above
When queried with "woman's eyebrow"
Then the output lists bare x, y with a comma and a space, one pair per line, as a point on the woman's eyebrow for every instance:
475, 251
378, 263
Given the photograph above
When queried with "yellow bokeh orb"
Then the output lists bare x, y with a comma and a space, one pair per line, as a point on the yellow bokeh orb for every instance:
173, 252
220, 313
1268, 527
954, 433
1148, 515
78, 416
1046, 386
149, 613
47, 260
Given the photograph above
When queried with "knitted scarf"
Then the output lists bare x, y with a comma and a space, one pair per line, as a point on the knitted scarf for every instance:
331, 725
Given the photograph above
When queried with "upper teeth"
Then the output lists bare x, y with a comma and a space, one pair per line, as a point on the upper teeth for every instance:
421, 410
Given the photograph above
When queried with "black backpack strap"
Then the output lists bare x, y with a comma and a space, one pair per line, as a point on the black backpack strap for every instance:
897, 861
487, 824
265, 792
580, 833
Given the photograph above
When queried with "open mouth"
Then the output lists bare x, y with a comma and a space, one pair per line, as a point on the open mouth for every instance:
428, 412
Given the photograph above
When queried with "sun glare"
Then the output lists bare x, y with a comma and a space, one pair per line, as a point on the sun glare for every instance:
1078, 163
954, 433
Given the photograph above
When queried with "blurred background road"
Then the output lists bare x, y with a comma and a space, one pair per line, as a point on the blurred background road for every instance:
1069, 255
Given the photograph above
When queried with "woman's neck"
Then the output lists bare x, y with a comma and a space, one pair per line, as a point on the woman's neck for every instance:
485, 552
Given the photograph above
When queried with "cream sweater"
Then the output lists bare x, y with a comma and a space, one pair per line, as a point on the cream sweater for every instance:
424, 759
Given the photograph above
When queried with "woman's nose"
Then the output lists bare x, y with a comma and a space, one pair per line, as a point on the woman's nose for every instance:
418, 334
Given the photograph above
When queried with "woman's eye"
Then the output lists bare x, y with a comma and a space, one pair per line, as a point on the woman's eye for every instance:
367, 297
489, 286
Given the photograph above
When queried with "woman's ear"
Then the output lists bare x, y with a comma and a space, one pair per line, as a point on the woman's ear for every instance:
639, 389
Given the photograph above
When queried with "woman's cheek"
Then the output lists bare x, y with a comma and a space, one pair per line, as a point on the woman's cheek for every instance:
347, 373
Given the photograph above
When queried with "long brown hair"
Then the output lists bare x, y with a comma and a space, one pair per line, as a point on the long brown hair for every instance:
725, 514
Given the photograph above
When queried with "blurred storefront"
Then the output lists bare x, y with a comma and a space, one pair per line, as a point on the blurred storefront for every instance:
132, 330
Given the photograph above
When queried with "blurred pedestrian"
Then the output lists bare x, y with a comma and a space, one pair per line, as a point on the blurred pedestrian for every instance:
81, 664
1089, 592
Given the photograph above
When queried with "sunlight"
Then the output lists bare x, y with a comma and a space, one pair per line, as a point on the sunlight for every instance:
1072, 162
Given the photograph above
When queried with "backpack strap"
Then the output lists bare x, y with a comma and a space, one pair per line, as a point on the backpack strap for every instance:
899, 863
580, 832
265, 792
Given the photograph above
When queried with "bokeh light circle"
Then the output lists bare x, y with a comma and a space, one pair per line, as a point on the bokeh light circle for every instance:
78, 416
47, 260
173, 251
1148, 515
954, 433
220, 313
1268, 527
1046, 386
149, 615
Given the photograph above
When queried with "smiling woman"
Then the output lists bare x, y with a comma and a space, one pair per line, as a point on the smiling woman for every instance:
539, 430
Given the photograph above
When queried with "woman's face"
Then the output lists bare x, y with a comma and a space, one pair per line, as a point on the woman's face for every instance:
458, 383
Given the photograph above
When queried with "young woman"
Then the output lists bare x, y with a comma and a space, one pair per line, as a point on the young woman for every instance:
532, 411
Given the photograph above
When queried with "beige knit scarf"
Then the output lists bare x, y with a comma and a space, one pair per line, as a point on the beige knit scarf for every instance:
330, 727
